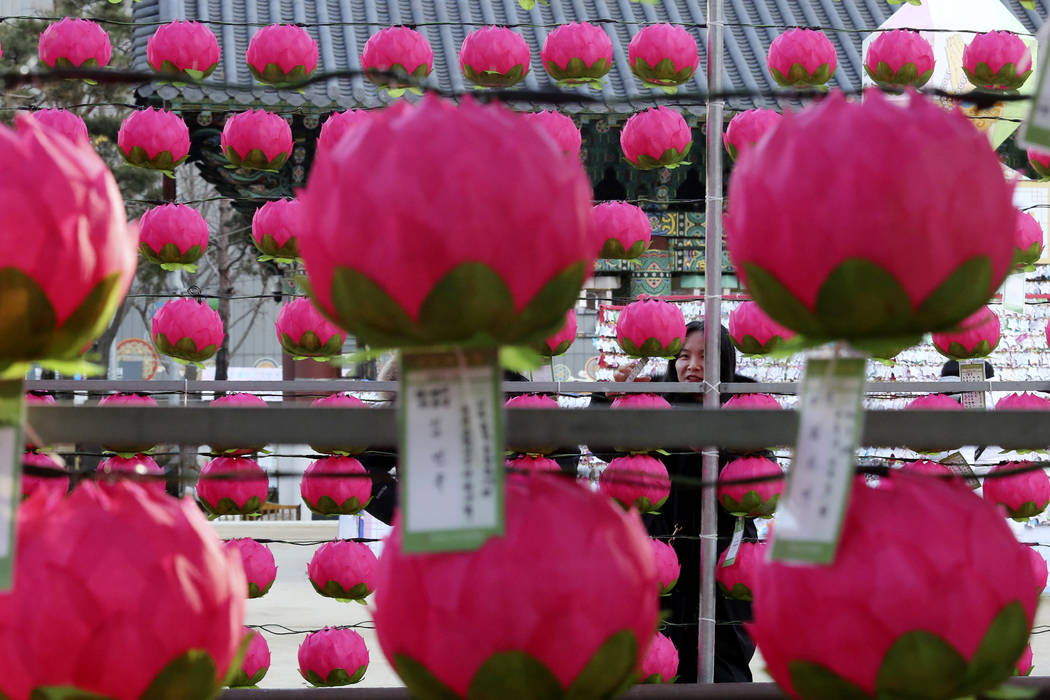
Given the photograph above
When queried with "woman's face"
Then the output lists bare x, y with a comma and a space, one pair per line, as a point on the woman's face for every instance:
689, 365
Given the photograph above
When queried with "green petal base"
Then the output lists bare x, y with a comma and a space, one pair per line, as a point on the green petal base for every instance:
907, 76
172, 72
651, 347
749, 345
798, 77
547, 351
169, 257
666, 590
515, 675
332, 589
662, 74
273, 75
389, 79
226, 506
657, 678
860, 300
1006, 78
255, 159
185, 349
1026, 510
751, 505
576, 72
495, 79
958, 351
1028, 256
344, 450
310, 345
922, 666
163, 161
613, 249
644, 505
335, 677
255, 592
326, 505
287, 253
738, 592
470, 305
670, 159
241, 680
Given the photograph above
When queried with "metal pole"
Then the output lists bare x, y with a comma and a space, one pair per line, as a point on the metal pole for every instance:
712, 334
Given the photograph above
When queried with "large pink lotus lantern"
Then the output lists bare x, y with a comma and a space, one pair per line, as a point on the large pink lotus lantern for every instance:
899, 58
332, 657
39, 398
70, 255
660, 664
173, 236
801, 58
997, 60
62, 121
155, 139
304, 333
31, 483
1024, 494
640, 401
620, 230
494, 57
1023, 402
826, 259
128, 399
395, 54
560, 342
737, 580
257, 140
188, 330
656, 138
336, 486
531, 401
636, 481
755, 333
1040, 571
668, 568
338, 125
237, 399
1028, 240
561, 128
339, 400
232, 486
977, 336
183, 49
343, 569
577, 53
260, 568
531, 465
756, 499
256, 661
1024, 664
935, 402
746, 128
753, 401
281, 53
75, 43
407, 286
118, 593
141, 468
275, 229
887, 608
1040, 162
663, 56
538, 618
650, 327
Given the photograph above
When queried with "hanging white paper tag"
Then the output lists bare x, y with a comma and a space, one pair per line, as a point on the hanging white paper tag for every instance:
734, 544
451, 449
813, 505
960, 467
1013, 293
973, 372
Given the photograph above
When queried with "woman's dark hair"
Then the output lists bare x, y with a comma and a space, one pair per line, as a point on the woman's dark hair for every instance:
727, 355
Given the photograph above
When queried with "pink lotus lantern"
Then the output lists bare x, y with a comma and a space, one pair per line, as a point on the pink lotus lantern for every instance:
1039, 568
257, 140
642, 401
977, 336
1024, 664
393, 54
746, 128
1023, 495
141, 400
338, 125
802, 58
936, 402
529, 465
586, 603
667, 567
531, 401
636, 481
304, 333
259, 566
333, 656
39, 399
237, 399
561, 128
621, 230
63, 122
141, 468
660, 664
927, 468
899, 58
1023, 402
345, 488
188, 330
166, 602
154, 139
494, 57
70, 253
75, 43
281, 53
756, 499
737, 580
256, 661
232, 486
577, 53
437, 246
1028, 240
173, 236
1040, 162
339, 400
663, 56
997, 60
344, 570
560, 342
650, 327
888, 606
275, 229
186, 50
851, 280
753, 401
31, 483
656, 138
755, 333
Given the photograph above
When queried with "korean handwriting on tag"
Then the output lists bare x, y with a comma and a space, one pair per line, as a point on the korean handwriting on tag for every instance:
973, 372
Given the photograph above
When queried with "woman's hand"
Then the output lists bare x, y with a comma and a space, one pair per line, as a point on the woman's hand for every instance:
622, 373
